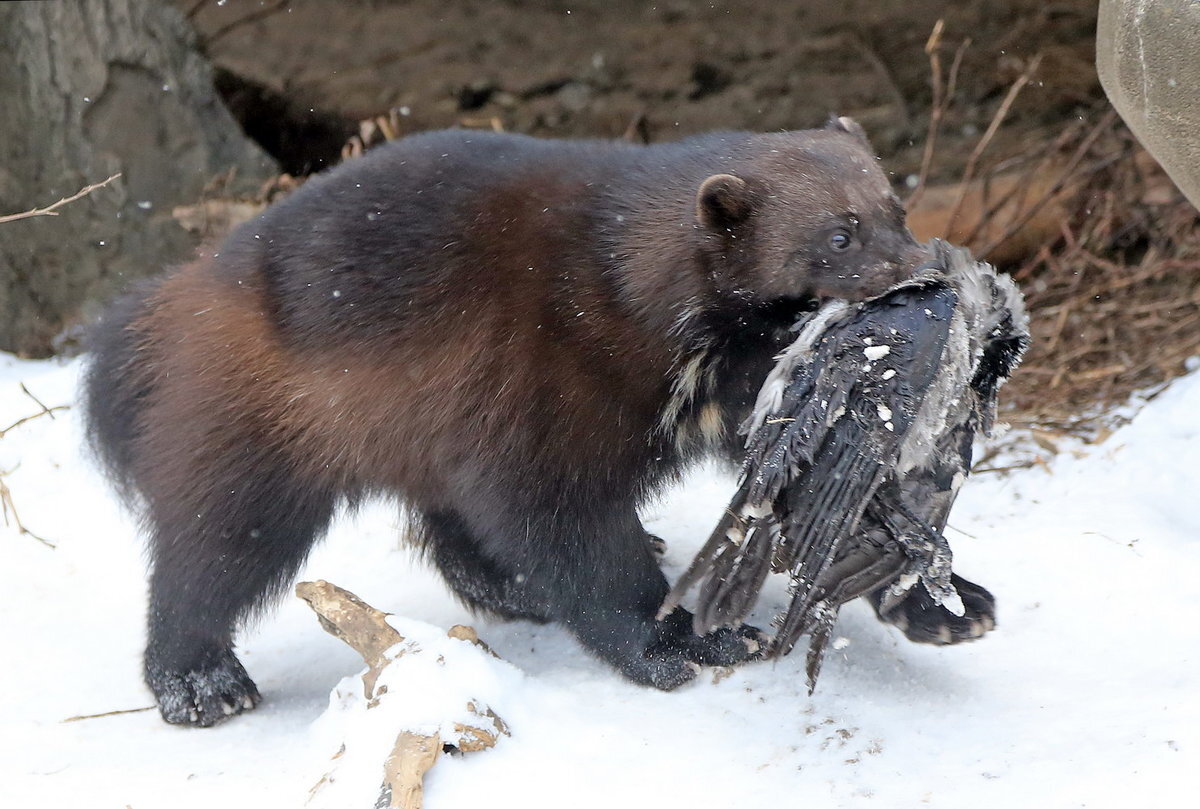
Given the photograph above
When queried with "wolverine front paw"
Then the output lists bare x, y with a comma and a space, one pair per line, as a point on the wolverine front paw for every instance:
923, 621
678, 653
205, 696
726, 646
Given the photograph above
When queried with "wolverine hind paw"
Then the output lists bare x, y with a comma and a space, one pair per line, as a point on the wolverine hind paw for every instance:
205, 696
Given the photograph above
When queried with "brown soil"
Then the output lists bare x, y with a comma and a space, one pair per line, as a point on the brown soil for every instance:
1111, 265
593, 67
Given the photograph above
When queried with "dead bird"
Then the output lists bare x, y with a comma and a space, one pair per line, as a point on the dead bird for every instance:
859, 441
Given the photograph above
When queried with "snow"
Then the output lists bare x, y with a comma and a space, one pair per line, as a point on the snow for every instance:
1085, 695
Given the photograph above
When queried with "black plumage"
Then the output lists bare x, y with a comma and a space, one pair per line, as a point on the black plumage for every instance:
859, 441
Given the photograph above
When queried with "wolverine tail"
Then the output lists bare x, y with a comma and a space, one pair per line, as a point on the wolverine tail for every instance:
116, 385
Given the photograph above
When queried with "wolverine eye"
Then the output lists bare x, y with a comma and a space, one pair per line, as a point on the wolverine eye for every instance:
840, 240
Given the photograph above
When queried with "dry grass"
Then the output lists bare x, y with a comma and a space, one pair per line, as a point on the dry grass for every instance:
1105, 248
1114, 298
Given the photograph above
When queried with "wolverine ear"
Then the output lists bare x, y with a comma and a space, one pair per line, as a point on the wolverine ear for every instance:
723, 200
848, 125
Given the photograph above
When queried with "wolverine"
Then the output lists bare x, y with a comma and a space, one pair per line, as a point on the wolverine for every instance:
519, 339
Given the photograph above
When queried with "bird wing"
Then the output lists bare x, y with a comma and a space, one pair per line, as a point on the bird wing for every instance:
816, 460
993, 333
859, 441
907, 332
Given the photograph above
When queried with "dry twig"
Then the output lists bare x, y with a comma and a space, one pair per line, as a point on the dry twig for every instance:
52, 210
107, 713
1112, 285
638, 130
7, 506
935, 112
942, 98
989, 133
1068, 175
48, 411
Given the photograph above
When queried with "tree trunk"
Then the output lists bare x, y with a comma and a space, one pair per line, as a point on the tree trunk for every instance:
90, 88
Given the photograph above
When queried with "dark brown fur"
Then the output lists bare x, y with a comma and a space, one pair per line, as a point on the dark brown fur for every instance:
522, 339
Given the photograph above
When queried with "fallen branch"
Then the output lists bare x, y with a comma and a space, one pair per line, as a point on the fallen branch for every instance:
366, 630
404, 771
350, 619
52, 210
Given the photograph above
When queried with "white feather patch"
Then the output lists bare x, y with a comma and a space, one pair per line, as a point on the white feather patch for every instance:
770, 396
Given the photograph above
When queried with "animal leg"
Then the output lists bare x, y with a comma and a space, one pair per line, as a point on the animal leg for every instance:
480, 583
597, 576
222, 543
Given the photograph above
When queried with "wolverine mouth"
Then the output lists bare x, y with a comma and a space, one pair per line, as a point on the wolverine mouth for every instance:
810, 303
784, 313
793, 307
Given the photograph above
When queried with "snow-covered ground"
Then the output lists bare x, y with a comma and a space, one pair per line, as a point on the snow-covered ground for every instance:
1088, 693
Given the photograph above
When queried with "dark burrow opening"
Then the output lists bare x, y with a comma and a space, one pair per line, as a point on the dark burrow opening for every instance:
302, 138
